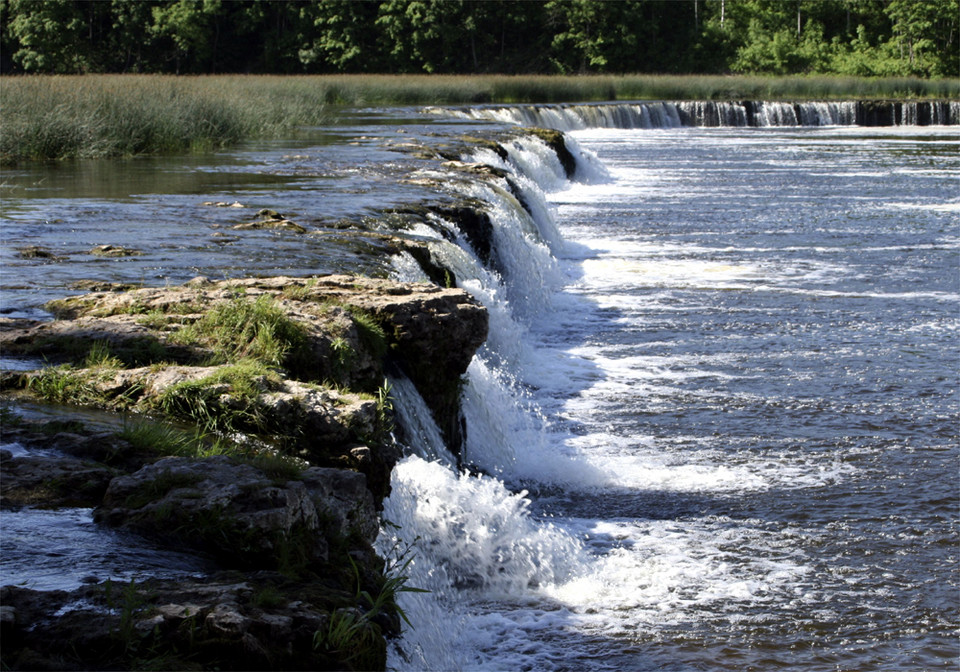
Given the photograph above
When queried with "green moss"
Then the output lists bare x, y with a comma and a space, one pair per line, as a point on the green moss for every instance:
268, 597
279, 468
69, 308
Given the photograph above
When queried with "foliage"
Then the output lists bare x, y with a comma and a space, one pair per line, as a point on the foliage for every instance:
65, 385
130, 603
384, 423
100, 357
372, 336
352, 633
92, 117
903, 37
164, 439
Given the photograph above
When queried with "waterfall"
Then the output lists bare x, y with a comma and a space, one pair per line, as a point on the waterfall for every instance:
473, 536
421, 434
665, 114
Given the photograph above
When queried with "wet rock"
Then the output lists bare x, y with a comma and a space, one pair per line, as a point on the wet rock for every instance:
100, 286
433, 339
480, 169
71, 443
37, 252
555, 141
213, 623
273, 224
114, 251
271, 219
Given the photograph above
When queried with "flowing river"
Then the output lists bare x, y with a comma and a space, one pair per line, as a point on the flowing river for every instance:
715, 425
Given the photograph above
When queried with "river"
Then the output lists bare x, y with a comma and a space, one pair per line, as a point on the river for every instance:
715, 425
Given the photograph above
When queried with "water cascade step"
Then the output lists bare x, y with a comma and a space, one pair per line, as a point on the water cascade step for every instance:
719, 114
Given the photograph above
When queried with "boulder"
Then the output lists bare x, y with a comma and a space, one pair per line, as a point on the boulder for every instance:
260, 622
50, 482
114, 251
239, 514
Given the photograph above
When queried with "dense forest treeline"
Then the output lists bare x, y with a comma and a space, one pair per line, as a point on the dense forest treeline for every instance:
848, 37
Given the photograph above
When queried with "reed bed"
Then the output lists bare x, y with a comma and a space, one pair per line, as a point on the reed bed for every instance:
90, 116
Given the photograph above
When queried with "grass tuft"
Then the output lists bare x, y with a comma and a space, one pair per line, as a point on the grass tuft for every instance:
226, 400
243, 329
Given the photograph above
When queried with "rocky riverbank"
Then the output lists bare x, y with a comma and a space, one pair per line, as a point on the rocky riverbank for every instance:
253, 427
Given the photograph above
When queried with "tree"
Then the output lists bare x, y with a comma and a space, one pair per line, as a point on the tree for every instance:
129, 37
914, 25
191, 27
49, 35
344, 37
428, 35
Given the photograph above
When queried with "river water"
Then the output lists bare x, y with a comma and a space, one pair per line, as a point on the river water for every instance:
715, 425
740, 443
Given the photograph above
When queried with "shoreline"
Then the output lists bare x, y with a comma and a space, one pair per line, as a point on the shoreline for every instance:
60, 117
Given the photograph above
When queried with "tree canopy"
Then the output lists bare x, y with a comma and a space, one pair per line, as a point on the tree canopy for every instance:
852, 37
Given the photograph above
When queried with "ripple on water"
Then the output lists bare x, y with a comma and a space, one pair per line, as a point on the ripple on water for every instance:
63, 549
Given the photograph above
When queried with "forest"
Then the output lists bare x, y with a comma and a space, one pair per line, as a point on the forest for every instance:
862, 38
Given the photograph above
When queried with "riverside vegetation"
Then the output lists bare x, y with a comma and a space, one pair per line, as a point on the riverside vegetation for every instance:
95, 116
846, 37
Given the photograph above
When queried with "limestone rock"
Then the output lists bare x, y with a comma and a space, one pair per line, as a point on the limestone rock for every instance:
215, 620
429, 332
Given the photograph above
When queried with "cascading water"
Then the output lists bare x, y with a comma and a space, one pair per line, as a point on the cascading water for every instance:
734, 434
717, 114
477, 540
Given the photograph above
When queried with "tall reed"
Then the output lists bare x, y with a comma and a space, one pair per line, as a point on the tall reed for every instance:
117, 115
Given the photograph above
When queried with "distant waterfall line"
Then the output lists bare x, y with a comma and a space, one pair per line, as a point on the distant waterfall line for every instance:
718, 114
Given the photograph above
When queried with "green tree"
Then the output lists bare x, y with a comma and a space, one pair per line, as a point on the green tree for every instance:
49, 35
428, 35
191, 28
914, 26
579, 38
125, 44
345, 38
